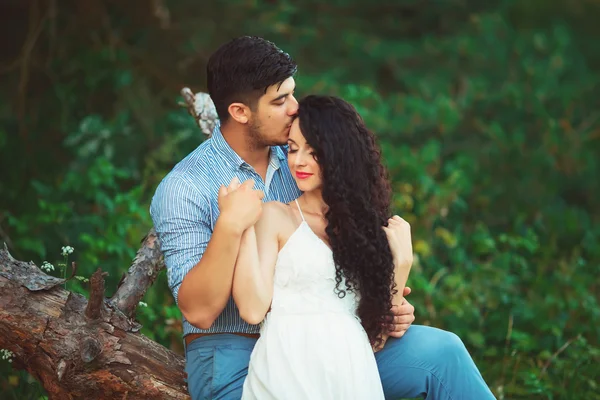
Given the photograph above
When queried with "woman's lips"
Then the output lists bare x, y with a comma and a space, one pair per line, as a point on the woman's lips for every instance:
303, 175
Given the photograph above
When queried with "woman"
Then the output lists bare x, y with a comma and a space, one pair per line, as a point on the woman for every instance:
321, 268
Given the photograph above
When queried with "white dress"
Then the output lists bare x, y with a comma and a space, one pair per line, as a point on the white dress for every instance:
312, 345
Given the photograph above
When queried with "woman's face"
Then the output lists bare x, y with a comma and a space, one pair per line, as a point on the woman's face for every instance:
302, 161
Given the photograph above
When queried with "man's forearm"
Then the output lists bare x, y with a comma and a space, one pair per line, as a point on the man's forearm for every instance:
206, 289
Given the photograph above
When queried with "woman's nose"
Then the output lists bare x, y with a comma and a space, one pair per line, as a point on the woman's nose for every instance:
300, 160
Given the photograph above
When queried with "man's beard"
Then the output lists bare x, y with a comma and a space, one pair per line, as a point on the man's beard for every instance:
256, 138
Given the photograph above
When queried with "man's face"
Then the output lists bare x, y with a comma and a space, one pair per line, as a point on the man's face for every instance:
271, 121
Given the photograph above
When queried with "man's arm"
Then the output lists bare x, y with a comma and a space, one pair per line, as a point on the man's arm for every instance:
205, 290
199, 261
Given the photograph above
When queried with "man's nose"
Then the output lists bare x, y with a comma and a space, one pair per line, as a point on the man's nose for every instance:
293, 106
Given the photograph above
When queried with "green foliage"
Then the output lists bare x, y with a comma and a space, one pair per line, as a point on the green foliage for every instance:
487, 118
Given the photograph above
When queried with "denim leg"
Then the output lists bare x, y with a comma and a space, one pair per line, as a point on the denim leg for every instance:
430, 363
217, 366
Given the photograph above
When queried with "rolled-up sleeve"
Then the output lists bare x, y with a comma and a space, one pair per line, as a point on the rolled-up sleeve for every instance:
181, 218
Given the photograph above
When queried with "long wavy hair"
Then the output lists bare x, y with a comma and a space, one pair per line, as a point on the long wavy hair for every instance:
357, 192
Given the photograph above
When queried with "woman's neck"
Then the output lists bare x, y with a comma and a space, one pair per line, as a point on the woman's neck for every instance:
312, 202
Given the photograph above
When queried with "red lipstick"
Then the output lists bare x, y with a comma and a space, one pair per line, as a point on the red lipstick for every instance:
303, 175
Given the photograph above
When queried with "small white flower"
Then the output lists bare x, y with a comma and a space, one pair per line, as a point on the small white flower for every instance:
142, 304
66, 250
6, 355
47, 267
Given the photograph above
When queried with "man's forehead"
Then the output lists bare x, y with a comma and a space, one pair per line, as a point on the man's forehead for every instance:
286, 86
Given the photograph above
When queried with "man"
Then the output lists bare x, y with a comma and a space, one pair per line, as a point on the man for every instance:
251, 83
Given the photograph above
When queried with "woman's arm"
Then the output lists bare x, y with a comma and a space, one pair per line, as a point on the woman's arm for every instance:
255, 266
400, 240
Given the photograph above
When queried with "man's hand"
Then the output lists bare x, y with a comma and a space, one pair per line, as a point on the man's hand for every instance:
404, 316
240, 205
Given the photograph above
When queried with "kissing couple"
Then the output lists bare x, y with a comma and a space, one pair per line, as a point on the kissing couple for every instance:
283, 256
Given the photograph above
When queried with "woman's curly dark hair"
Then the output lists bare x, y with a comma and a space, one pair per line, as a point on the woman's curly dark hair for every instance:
357, 192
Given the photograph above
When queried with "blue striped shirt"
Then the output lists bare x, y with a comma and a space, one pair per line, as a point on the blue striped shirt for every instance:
184, 210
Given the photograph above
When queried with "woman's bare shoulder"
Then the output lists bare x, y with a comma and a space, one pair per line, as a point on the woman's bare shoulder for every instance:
275, 206
275, 211
277, 214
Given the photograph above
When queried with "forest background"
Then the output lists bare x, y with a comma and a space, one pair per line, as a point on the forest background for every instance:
487, 112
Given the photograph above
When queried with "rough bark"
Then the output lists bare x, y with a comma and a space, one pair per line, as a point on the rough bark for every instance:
141, 275
78, 348
92, 349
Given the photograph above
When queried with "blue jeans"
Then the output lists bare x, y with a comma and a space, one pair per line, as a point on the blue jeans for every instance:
426, 362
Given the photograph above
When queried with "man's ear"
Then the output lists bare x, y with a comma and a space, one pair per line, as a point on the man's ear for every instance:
239, 112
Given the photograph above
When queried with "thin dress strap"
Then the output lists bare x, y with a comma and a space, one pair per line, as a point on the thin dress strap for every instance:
299, 209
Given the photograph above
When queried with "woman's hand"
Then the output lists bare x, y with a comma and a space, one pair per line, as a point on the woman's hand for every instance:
400, 240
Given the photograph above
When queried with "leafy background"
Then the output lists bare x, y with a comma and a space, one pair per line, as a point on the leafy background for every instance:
488, 114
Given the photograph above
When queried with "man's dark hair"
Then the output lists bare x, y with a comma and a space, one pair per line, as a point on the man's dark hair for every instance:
242, 70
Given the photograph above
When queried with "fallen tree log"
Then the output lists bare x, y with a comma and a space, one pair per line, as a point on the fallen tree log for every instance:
91, 349
78, 348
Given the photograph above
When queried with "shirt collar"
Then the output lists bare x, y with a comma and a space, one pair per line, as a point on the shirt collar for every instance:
219, 143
